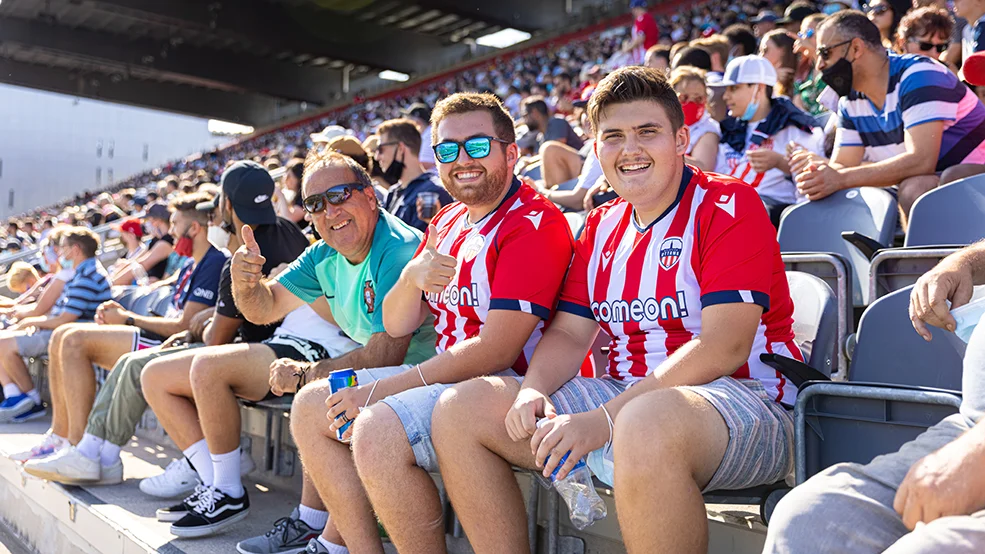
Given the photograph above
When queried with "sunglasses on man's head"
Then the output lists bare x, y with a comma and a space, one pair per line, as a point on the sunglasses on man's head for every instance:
928, 46
317, 203
824, 52
477, 148
806, 35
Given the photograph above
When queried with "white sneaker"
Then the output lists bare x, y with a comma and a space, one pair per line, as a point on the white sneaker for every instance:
68, 466
178, 479
111, 475
49, 445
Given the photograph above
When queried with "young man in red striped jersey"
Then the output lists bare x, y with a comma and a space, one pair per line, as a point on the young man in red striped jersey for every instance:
683, 272
489, 273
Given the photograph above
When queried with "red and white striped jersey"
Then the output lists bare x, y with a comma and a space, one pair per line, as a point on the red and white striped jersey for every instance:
647, 287
514, 258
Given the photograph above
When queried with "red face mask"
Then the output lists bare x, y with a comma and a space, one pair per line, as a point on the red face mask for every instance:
183, 247
692, 112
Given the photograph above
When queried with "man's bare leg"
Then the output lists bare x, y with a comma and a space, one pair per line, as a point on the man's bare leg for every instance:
391, 476
668, 445
475, 454
219, 376
14, 370
329, 464
910, 190
59, 417
166, 383
82, 347
561, 163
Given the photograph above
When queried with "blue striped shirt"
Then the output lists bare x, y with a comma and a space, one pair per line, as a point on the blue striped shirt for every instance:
921, 90
85, 292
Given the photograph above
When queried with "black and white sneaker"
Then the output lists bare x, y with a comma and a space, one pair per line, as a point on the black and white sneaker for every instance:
213, 512
181, 509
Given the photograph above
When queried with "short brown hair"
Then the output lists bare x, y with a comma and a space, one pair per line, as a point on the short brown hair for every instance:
186, 204
715, 44
630, 84
922, 21
465, 102
84, 238
402, 130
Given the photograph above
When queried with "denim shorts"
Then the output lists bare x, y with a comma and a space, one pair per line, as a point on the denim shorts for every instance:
35, 344
414, 408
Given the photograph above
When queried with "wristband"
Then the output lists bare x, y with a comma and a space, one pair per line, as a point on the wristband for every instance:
130, 321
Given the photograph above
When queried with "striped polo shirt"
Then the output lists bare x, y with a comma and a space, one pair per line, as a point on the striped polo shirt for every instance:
921, 90
85, 292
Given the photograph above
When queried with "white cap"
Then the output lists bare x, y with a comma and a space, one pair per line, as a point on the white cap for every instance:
329, 133
754, 70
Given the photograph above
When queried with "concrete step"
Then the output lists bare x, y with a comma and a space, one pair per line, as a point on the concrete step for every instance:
52, 518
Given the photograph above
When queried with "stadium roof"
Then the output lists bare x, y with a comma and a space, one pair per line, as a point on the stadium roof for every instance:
249, 61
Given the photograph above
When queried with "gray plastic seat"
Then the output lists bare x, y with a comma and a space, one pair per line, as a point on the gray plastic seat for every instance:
534, 172
817, 227
815, 320
953, 214
899, 385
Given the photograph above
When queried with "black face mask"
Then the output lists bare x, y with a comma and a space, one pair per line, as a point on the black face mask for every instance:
839, 77
393, 173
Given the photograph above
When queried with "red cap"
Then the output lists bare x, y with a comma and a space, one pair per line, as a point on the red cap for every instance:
131, 226
974, 69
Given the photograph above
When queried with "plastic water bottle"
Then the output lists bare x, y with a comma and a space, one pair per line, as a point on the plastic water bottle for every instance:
140, 275
585, 506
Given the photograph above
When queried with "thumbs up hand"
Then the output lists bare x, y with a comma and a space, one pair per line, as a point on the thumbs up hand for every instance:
431, 271
247, 266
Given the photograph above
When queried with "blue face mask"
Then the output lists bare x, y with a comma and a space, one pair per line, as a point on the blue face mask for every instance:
750, 111
65, 262
600, 463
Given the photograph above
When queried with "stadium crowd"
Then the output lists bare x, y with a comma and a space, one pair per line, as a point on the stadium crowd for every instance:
399, 243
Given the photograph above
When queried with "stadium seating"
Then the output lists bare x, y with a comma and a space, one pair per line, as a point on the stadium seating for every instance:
818, 227
898, 385
941, 222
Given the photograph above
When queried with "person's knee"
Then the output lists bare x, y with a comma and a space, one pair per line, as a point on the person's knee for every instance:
376, 437
202, 372
151, 377
649, 426
460, 409
73, 342
961, 171
308, 411
912, 188
549, 149
793, 525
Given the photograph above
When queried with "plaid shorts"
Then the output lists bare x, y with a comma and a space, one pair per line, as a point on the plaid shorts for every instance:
760, 448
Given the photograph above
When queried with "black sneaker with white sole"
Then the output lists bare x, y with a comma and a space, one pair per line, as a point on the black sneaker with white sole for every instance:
181, 509
213, 512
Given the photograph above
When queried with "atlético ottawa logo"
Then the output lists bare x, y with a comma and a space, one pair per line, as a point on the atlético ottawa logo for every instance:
670, 251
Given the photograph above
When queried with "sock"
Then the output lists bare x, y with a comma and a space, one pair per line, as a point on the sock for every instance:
225, 468
90, 446
332, 547
109, 454
34, 395
11, 390
316, 519
198, 457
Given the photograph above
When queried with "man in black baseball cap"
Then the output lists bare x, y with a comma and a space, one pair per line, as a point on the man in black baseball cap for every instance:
249, 188
795, 14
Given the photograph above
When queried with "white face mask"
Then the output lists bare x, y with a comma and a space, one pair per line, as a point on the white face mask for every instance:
218, 237
968, 317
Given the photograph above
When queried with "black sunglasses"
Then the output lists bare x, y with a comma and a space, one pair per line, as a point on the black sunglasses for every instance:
878, 10
317, 203
928, 46
824, 52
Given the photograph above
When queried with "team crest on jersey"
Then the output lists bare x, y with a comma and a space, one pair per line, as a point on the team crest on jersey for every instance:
369, 296
670, 251
472, 247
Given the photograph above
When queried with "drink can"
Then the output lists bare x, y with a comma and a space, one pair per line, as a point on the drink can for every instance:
338, 380
429, 204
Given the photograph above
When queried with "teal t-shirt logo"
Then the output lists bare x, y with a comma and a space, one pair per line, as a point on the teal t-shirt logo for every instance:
369, 296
